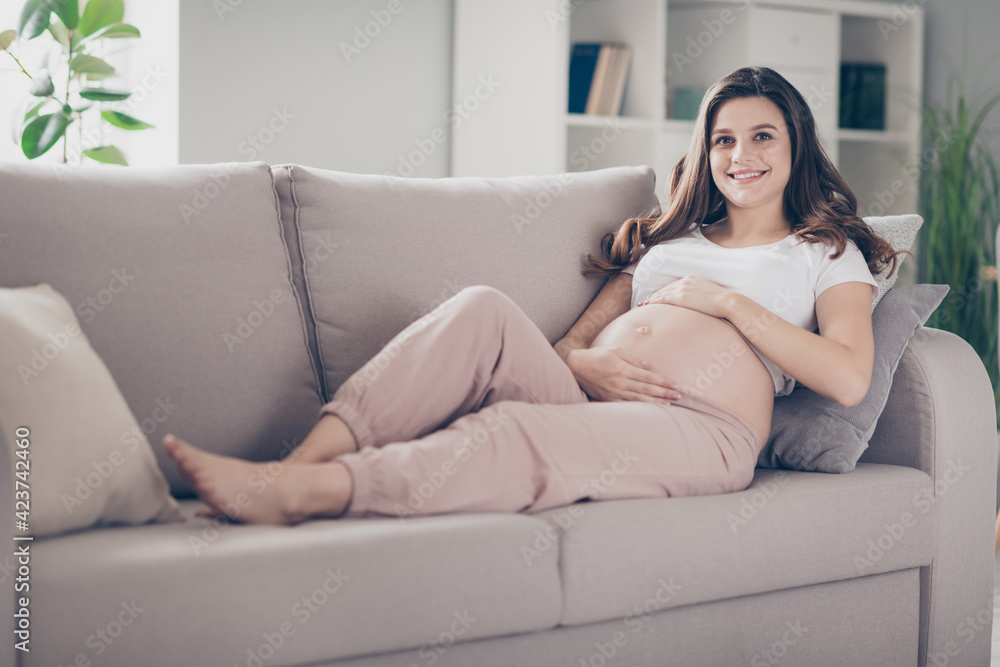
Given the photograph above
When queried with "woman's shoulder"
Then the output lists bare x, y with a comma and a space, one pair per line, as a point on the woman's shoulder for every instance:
823, 247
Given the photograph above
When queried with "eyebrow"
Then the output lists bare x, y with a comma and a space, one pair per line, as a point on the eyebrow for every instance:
752, 129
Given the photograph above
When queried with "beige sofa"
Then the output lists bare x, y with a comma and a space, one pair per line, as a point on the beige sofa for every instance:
259, 289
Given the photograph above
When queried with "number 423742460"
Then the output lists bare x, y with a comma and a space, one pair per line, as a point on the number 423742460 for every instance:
22, 469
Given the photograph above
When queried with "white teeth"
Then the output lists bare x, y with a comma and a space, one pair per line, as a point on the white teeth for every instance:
740, 177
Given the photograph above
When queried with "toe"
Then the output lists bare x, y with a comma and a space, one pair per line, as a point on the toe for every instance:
175, 448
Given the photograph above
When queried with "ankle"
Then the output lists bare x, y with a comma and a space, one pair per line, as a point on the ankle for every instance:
344, 440
329, 438
290, 494
325, 491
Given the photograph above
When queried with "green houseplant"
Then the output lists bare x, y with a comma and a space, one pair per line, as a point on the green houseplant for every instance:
71, 87
960, 204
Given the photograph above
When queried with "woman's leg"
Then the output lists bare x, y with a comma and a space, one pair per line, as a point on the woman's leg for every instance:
508, 457
475, 349
516, 456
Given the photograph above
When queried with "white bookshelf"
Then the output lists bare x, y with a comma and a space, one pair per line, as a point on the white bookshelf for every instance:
523, 128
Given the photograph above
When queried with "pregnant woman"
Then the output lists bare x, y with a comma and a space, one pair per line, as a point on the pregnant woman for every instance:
757, 275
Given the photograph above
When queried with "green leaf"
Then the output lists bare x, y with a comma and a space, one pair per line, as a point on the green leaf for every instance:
107, 155
124, 121
113, 31
35, 16
100, 13
33, 111
41, 85
68, 12
81, 109
42, 133
99, 76
104, 95
60, 34
7, 37
17, 130
116, 31
92, 66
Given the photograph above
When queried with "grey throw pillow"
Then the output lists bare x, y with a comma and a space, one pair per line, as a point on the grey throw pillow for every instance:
900, 231
813, 433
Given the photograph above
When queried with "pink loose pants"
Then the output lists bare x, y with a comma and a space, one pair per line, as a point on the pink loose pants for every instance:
471, 409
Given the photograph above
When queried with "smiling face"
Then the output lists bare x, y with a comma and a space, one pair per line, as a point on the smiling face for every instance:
750, 152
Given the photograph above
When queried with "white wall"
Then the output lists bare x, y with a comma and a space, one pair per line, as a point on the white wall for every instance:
271, 81
958, 29
368, 115
151, 72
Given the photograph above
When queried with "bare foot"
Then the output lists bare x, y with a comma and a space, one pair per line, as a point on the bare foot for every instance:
276, 493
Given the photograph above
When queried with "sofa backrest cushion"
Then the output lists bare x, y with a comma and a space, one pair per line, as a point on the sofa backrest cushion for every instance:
378, 252
180, 279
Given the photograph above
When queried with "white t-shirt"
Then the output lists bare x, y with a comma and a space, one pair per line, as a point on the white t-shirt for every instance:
785, 277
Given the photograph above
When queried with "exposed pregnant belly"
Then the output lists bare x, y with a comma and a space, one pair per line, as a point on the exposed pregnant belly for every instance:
705, 355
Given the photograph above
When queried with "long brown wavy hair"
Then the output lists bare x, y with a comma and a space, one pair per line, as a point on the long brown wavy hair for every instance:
817, 201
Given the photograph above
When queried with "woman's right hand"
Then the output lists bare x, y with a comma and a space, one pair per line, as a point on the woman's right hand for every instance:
612, 374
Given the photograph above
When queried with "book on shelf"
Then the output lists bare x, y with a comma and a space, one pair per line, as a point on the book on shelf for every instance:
862, 96
598, 73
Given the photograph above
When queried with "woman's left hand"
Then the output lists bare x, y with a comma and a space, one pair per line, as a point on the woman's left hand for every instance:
692, 292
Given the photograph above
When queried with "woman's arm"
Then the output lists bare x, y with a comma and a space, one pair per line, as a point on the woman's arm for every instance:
837, 362
614, 299
607, 374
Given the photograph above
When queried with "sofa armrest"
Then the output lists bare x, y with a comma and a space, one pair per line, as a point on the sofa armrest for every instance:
8, 565
941, 418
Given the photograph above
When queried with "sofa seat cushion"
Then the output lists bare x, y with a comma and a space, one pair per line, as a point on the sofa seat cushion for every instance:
213, 593
181, 281
378, 252
787, 529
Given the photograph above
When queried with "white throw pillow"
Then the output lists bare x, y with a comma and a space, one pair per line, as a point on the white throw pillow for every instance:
900, 231
89, 463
